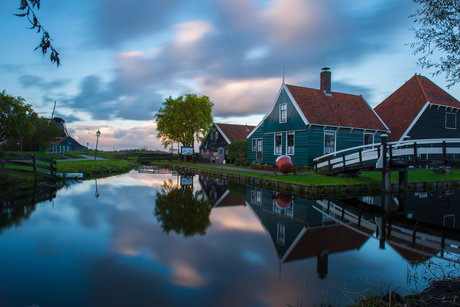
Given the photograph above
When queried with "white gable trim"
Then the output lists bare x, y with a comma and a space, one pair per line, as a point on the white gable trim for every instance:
296, 106
223, 134
414, 121
283, 86
375, 113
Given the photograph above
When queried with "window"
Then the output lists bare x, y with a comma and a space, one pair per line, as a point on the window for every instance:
256, 196
277, 143
283, 113
451, 120
290, 143
254, 144
329, 142
281, 234
368, 140
214, 136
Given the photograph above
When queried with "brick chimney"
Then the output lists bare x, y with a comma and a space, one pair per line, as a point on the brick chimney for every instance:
325, 80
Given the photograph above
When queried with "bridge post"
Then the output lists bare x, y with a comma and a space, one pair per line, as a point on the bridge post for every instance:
386, 170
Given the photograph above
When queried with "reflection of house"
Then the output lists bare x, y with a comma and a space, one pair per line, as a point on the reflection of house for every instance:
301, 231
65, 142
218, 193
221, 135
306, 123
420, 110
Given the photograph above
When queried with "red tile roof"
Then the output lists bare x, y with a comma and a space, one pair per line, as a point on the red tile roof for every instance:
399, 110
336, 109
235, 133
58, 141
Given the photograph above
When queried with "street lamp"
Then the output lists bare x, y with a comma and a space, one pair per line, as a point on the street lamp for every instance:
98, 134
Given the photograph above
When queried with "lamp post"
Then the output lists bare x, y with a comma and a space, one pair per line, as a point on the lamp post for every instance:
98, 134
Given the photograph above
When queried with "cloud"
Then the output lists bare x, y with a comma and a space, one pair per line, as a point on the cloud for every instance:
32, 80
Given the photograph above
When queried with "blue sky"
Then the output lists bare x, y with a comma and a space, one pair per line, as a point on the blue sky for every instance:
121, 59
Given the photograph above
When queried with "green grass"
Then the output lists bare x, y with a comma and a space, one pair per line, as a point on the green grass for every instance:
95, 168
366, 178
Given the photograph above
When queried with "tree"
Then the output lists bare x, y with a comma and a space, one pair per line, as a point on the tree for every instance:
15, 117
182, 210
27, 6
184, 120
438, 31
237, 150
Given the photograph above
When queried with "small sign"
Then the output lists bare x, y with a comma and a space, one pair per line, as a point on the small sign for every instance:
186, 151
186, 180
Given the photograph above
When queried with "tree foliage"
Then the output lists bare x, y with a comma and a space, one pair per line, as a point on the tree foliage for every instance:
15, 117
184, 120
182, 210
27, 7
20, 123
438, 31
237, 150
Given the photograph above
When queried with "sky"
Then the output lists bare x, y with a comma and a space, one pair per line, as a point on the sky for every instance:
120, 59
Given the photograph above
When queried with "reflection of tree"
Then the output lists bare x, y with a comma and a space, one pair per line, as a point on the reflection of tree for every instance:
10, 217
182, 210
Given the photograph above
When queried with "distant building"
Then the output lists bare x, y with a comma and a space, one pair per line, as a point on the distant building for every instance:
65, 142
306, 123
221, 135
420, 109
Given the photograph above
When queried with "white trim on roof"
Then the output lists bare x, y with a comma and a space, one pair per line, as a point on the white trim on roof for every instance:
223, 134
414, 121
297, 106
283, 86
388, 129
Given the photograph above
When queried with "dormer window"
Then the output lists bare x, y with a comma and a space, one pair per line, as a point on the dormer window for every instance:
283, 113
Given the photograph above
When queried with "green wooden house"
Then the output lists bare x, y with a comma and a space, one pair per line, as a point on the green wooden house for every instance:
306, 123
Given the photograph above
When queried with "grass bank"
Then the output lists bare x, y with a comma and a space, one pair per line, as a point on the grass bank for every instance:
89, 168
365, 178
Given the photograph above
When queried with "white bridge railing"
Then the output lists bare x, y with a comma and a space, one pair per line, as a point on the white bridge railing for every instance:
412, 149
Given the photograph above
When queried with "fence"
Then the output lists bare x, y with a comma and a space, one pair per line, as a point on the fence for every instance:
28, 164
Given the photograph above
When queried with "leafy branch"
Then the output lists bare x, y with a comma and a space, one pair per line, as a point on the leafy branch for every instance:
27, 6
438, 32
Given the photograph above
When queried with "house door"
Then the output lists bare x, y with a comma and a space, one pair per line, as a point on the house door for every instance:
220, 154
259, 155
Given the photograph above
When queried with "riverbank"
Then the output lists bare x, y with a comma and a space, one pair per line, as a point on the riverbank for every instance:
311, 185
104, 164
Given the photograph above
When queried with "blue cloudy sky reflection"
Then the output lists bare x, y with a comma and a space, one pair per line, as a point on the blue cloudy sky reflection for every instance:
121, 58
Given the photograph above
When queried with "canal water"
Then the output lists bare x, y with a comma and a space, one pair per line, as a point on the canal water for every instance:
164, 239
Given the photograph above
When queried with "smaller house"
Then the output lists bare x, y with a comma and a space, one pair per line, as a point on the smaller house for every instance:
420, 109
221, 135
65, 142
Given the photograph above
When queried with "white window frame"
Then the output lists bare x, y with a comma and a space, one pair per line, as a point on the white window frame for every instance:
281, 234
324, 141
288, 152
283, 113
278, 150
455, 121
254, 144
370, 146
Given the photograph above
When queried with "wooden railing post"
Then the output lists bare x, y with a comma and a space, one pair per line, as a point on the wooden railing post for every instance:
361, 156
415, 152
444, 152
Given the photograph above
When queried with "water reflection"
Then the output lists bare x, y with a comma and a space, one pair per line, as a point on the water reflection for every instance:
17, 205
180, 208
261, 248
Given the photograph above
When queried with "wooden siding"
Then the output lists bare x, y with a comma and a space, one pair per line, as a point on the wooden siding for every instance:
258, 134
432, 125
294, 120
221, 142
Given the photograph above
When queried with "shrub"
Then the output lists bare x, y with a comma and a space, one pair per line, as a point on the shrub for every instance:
247, 162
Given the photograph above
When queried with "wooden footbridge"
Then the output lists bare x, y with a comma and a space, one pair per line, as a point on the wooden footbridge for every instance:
392, 156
